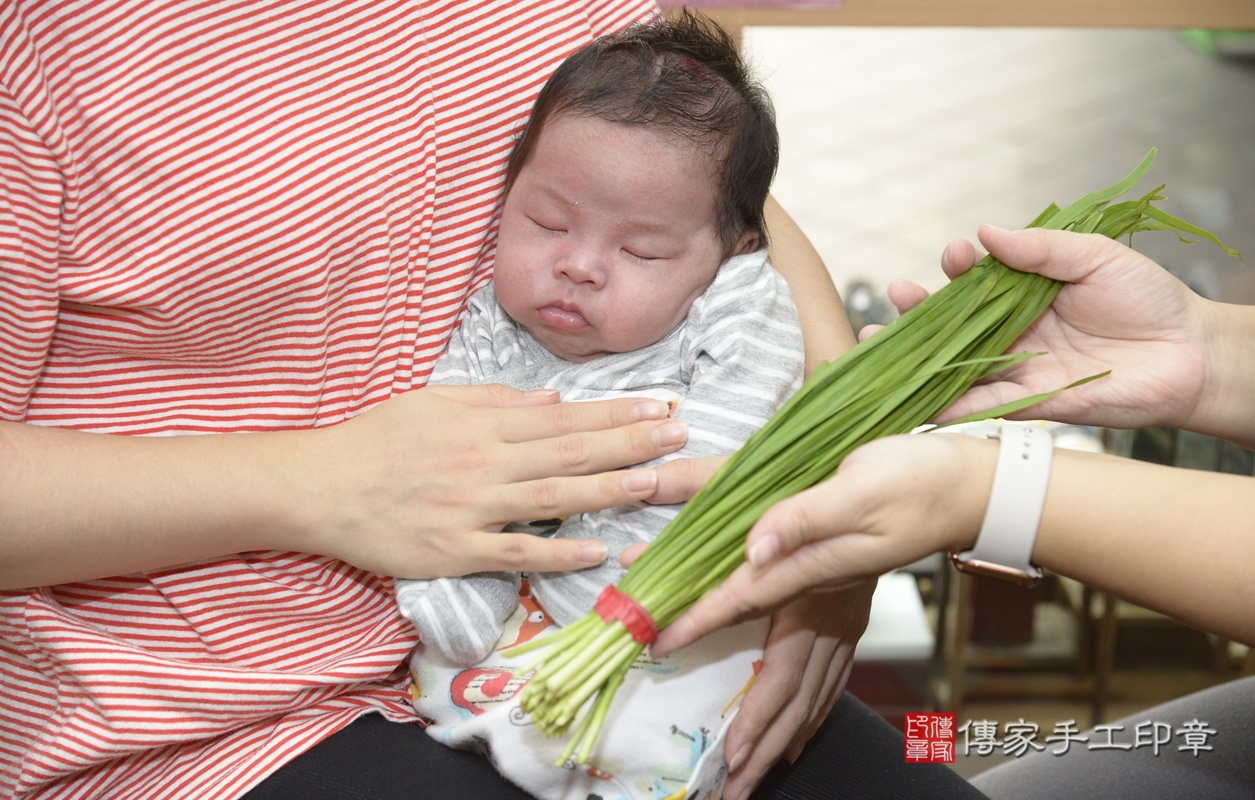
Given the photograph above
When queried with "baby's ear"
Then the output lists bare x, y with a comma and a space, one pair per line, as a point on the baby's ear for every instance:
748, 243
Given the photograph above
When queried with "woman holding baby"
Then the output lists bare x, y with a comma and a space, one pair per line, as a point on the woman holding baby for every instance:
264, 220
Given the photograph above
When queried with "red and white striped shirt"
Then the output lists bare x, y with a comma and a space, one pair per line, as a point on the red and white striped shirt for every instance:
238, 215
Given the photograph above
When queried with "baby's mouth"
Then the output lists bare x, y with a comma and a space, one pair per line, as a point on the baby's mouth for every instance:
566, 319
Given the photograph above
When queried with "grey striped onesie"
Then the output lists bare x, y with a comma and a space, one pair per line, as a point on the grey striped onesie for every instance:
732, 362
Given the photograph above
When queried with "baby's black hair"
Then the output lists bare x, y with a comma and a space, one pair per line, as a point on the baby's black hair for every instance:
682, 76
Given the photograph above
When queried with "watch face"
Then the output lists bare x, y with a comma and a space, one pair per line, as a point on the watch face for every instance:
990, 570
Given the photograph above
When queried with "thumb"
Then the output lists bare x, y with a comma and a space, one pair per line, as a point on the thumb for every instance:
495, 395
628, 557
821, 512
1062, 255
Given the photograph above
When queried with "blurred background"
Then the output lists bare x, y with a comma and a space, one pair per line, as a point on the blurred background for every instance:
897, 139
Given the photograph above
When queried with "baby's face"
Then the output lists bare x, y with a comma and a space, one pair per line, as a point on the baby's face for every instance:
607, 237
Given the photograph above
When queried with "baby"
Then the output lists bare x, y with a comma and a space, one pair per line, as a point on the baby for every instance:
628, 262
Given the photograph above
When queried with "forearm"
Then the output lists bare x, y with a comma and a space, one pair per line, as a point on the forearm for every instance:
1225, 408
415, 488
76, 506
1174, 540
825, 327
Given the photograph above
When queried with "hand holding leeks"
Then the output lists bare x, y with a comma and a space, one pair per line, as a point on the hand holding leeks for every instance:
1176, 541
1117, 310
1124, 526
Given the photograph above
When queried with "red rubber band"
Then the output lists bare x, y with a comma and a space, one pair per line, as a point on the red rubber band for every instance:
613, 604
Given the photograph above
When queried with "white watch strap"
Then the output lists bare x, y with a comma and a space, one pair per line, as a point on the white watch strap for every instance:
1015, 504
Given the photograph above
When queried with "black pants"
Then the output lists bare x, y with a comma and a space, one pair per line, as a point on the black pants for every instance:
855, 754
1224, 772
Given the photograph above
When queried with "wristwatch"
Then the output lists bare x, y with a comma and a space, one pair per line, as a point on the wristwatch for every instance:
1005, 545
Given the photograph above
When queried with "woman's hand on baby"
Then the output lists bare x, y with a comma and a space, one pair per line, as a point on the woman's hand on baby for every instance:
421, 485
1117, 311
806, 663
681, 478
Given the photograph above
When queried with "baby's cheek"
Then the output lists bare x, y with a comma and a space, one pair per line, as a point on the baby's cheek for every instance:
512, 293
645, 321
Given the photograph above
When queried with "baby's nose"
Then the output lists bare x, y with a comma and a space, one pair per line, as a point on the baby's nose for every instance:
582, 266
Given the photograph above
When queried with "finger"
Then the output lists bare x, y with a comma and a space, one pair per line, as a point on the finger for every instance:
793, 709
629, 556
800, 527
680, 479
958, 257
853, 610
560, 419
550, 498
729, 602
820, 512
778, 681
1062, 255
593, 452
494, 395
520, 552
906, 295
764, 753
839, 675
868, 331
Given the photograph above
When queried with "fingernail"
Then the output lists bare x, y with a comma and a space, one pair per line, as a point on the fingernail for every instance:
671, 433
593, 553
650, 409
995, 228
540, 392
738, 759
640, 480
764, 551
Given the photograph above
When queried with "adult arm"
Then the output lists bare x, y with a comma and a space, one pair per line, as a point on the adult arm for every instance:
410, 488
77, 505
1173, 540
825, 327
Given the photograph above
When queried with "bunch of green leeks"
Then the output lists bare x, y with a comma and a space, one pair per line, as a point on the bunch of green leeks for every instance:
892, 383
